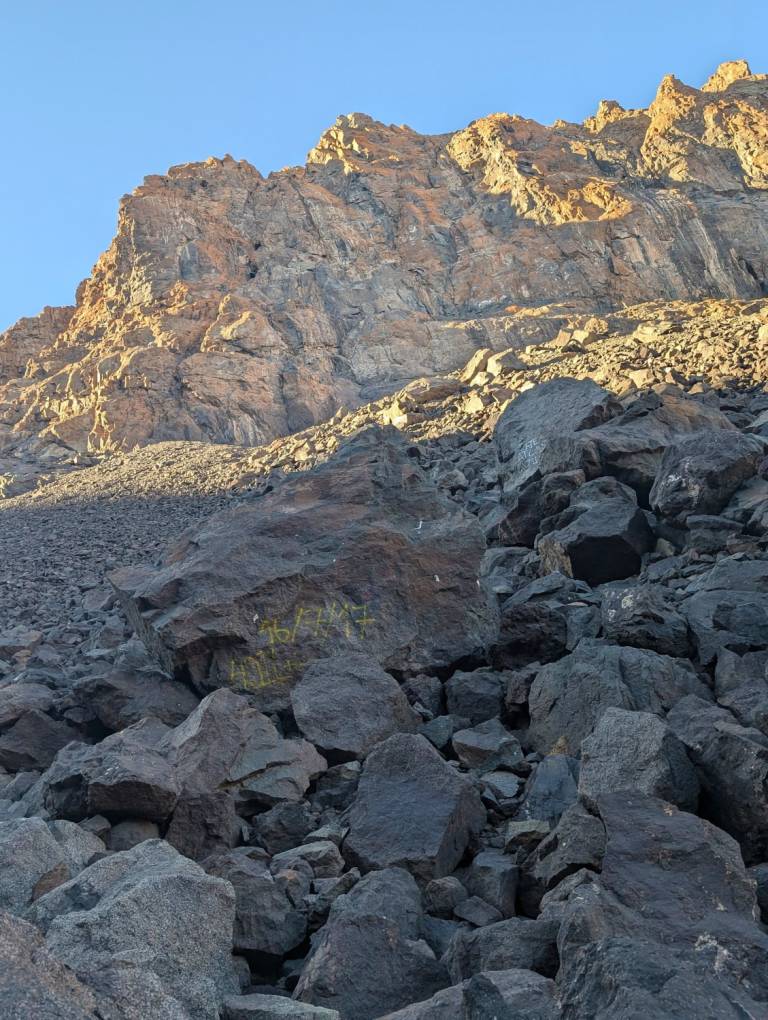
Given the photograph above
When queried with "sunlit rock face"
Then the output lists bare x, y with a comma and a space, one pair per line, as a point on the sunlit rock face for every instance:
235, 308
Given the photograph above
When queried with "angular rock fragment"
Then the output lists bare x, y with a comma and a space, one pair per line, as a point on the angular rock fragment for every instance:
514, 993
346, 704
541, 415
412, 810
364, 967
603, 535
568, 697
151, 912
517, 942
732, 764
699, 474
636, 751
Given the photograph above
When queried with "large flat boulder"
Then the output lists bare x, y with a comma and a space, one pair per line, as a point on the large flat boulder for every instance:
359, 554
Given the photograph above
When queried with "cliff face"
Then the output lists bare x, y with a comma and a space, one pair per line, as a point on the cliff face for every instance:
235, 308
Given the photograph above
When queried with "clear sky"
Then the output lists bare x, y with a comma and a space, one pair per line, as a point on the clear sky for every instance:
96, 94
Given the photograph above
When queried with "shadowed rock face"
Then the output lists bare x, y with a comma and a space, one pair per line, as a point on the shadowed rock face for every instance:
361, 555
235, 308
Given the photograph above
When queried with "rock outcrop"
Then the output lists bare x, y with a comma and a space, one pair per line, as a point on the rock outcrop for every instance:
455, 703
234, 308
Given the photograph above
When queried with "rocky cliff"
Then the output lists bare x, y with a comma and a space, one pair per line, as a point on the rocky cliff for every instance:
236, 308
453, 704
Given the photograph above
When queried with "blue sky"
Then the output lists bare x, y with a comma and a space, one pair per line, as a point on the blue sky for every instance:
96, 95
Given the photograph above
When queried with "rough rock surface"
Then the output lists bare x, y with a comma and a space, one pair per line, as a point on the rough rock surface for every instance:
516, 763
234, 308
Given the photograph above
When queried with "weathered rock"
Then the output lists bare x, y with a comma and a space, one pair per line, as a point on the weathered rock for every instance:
636, 751
134, 689
699, 474
35, 857
604, 537
267, 923
226, 754
443, 895
272, 1007
391, 893
148, 909
568, 697
732, 764
130, 832
493, 877
33, 740
517, 942
671, 879
364, 967
346, 704
514, 993
412, 810
644, 616
476, 696
283, 826
576, 842
33, 983
552, 788
526, 431
487, 746
380, 563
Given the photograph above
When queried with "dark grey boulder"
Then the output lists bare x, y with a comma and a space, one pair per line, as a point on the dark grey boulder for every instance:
540, 416
630, 445
603, 538
636, 751
493, 995
732, 765
493, 876
568, 697
391, 893
134, 688
626, 977
487, 746
283, 826
35, 985
668, 878
267, 922
443, 895
517, 942
551, 790
130, 832
412, 810
150, 910
36, 856
347, 704
476, 696
360, 554
33, 741
727, 619
645, 616
272, 1007
699, 474
576, 842
363, 967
